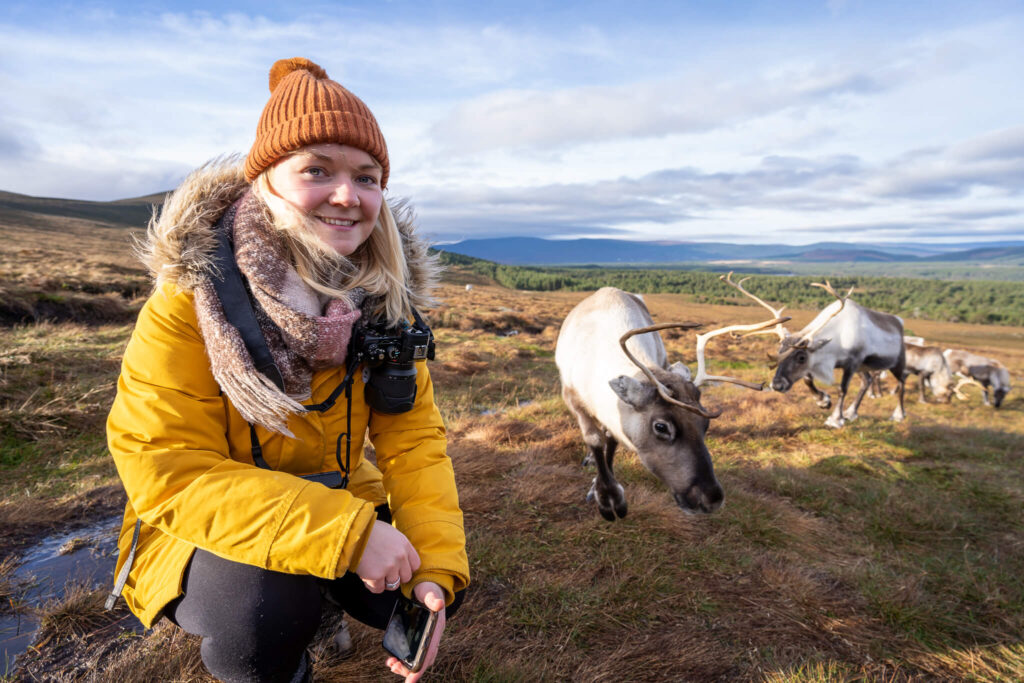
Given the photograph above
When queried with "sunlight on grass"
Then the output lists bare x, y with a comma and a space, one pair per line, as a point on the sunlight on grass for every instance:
878, 552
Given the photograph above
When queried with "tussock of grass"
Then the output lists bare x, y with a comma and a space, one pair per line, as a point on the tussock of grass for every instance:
7, 589
77, 612
165, 654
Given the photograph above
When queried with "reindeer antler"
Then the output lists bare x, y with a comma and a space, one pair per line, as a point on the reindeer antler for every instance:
776, 312
827, 286
662, 390
702, 376
702, 342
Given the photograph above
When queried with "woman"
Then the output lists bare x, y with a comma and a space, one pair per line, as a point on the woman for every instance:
230, 541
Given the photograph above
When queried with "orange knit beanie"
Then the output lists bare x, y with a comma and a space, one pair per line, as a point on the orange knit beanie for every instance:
306, 107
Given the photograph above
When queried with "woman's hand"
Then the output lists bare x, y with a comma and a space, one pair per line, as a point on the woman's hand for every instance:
388, 559
431, 595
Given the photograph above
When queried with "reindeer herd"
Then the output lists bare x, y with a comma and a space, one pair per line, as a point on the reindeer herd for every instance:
618, 383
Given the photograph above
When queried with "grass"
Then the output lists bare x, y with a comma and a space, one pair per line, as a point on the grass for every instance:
879, 552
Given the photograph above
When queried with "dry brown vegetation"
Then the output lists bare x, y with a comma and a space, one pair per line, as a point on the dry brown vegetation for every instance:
66, 267
881, 552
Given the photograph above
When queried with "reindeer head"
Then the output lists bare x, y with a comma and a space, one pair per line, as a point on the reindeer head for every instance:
796, 354
664, 418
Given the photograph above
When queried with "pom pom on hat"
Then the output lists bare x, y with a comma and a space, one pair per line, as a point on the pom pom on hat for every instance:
305, 108
283, 67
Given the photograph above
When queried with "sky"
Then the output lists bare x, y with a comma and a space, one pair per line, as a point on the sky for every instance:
750, 122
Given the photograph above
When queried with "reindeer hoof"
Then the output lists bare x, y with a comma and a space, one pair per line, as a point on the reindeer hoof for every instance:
898, 416
835, 422
849, 417
588, 460
610, 503
825, 403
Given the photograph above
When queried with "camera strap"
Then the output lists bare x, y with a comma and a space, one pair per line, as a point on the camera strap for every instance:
238, 305
326, 478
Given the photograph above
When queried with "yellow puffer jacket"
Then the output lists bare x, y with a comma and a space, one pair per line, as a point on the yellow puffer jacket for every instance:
184, 454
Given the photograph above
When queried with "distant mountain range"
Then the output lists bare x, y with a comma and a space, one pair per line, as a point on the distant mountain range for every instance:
45, 213
605, 252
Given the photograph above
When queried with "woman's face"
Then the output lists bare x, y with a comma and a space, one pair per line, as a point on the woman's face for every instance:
335, 185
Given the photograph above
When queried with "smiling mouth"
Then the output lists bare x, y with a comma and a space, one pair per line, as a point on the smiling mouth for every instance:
338, 222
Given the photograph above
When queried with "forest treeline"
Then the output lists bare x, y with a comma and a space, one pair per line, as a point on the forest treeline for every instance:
974, 301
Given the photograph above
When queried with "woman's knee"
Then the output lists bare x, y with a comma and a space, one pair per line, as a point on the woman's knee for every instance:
255, 623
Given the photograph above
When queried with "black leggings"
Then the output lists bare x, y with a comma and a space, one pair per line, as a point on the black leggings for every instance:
256, 624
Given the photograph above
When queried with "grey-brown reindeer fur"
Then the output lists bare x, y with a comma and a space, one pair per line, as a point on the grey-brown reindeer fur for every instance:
928, 363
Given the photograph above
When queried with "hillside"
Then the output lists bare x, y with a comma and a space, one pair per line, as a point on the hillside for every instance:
39, 212
64, 259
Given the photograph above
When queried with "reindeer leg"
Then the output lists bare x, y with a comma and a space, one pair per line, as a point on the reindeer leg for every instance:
899, 414
823, 399
835, 420
875, 391
921, 381
851, 412
605, 490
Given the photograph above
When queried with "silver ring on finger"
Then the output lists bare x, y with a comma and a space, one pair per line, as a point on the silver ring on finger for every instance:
392, 585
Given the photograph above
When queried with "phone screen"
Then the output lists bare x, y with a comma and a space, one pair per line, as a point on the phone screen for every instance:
408, 632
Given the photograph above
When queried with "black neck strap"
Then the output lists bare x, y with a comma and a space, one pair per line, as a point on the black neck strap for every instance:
237, 304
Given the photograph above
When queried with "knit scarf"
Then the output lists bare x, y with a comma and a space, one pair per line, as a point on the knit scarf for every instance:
302, 333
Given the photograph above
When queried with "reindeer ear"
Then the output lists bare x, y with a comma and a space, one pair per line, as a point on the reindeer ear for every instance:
681, 370
817, 344
633, 392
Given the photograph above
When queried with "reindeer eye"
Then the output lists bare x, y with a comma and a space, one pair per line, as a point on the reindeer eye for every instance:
662, 430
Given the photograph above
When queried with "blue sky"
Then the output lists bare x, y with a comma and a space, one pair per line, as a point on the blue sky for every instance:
753, 122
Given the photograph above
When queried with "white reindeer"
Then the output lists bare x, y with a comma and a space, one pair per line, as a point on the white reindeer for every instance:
617, 382
843, 335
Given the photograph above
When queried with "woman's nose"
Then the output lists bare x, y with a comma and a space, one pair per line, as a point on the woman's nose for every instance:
345, 194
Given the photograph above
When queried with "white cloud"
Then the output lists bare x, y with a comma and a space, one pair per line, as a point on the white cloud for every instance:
655, 129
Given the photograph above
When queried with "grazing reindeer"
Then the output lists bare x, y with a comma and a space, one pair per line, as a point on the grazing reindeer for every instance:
844, 335
925, 361
630, 395
985, 372
930, 365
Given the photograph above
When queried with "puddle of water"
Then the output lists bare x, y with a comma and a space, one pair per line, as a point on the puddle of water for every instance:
85, 556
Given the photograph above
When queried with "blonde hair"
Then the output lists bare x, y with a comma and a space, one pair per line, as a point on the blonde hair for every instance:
377, 265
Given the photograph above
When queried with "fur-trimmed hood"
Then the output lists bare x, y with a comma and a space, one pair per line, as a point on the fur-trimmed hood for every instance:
180, 240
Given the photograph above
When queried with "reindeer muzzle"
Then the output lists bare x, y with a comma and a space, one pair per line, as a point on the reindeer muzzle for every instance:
701, 497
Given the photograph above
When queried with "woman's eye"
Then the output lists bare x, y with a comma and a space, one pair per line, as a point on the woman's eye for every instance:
367, 180
315, 171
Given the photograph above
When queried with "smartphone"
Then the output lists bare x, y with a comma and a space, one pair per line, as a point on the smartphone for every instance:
408, 632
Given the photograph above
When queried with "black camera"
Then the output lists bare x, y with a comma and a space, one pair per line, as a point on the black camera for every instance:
390, 356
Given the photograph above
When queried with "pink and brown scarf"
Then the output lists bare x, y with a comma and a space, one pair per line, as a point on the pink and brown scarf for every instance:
304, 335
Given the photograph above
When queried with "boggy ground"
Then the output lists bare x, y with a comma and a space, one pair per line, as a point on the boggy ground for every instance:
877, 552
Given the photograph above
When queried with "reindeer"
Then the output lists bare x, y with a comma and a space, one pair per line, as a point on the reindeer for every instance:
925, 361
985, 372
843, 335
629, 394
930, 365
